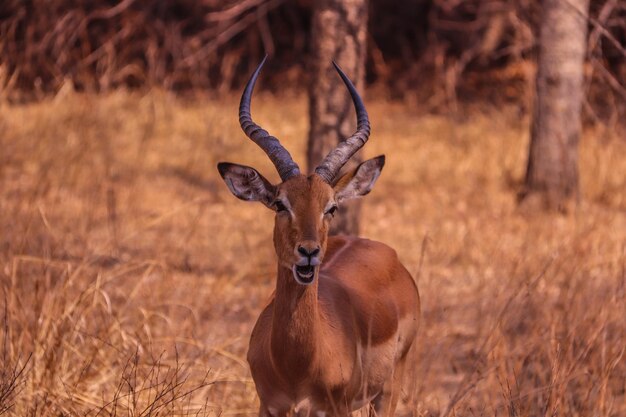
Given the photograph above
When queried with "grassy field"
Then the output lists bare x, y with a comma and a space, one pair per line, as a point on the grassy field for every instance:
130, 278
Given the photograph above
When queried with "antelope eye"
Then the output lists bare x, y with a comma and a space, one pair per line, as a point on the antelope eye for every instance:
279, 206
331, 211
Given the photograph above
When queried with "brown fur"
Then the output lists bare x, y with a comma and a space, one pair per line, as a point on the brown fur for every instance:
340, 342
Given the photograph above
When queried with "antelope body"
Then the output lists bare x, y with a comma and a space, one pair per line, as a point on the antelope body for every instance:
336, 333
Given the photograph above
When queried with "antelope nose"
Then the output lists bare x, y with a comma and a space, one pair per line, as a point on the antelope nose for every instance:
309, 250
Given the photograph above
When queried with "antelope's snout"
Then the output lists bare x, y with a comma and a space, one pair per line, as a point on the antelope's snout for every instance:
308, 253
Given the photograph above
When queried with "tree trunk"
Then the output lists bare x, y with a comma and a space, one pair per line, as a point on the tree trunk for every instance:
338, 33
552, 171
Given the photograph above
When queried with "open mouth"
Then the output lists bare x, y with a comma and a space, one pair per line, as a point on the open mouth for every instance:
304, 274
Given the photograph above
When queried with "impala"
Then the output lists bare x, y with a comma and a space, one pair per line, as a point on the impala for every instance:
336, 333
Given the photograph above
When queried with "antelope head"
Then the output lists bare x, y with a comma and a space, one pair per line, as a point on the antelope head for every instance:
304, 204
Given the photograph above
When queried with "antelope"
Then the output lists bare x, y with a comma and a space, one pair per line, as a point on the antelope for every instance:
336, 332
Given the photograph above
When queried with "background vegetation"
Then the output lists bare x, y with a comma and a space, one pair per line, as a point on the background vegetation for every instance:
130, 277
434, 51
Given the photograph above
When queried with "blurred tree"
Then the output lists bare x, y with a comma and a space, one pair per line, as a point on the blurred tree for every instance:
552, 171
338, 33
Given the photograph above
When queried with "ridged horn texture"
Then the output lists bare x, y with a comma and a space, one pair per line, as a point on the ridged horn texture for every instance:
331, 165
279, 156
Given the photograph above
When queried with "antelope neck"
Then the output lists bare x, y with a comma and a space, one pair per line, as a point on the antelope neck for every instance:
295, 324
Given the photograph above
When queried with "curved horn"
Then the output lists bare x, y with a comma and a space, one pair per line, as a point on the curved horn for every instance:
331, 165
279, 156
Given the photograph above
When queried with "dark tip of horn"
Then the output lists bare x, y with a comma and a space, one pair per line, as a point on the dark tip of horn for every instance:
247, 92
358, 103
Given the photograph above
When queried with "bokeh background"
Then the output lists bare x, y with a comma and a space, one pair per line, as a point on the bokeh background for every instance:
130, 278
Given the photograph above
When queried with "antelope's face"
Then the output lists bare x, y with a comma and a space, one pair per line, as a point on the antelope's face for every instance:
304, 205
304, 208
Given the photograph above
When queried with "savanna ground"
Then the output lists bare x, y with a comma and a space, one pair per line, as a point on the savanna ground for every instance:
130, 278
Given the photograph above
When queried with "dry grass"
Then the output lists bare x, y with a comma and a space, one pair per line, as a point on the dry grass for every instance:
130, 277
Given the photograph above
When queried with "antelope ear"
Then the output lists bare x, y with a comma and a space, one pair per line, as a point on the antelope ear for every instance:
246, 183
360, 181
